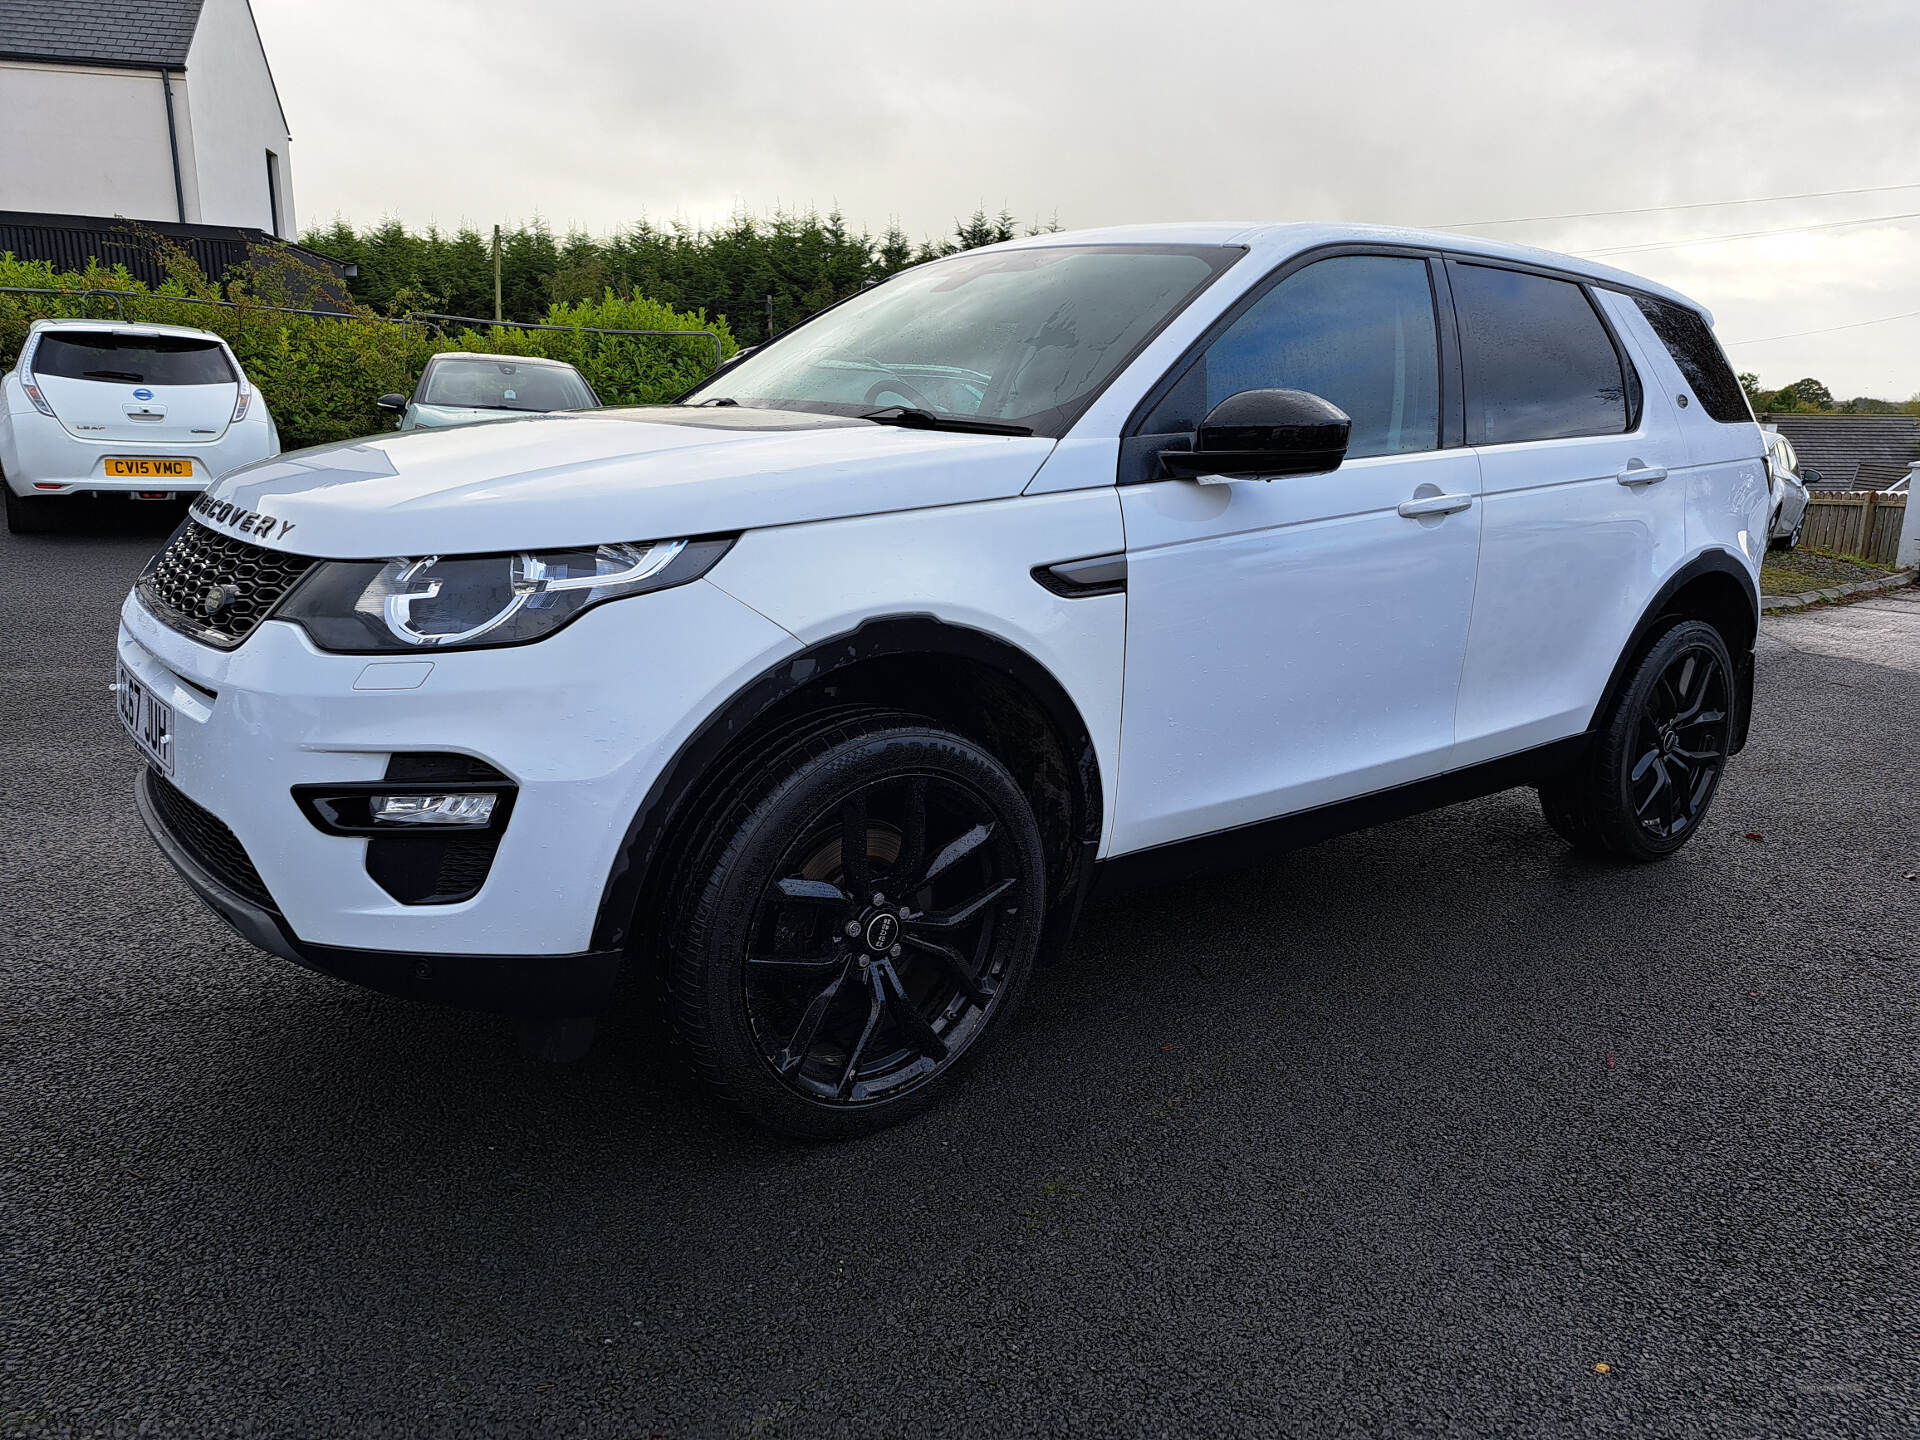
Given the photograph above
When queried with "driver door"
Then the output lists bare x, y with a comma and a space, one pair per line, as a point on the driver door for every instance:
1299, 641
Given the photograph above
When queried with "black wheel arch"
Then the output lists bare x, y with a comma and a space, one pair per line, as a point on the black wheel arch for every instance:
986, 686
1714, 586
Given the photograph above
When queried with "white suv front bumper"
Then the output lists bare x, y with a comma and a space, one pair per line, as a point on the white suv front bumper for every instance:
582, 723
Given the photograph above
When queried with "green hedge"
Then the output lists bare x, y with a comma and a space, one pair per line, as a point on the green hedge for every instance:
321, 375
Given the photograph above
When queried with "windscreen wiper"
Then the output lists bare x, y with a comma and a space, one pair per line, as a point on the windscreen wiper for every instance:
914, 418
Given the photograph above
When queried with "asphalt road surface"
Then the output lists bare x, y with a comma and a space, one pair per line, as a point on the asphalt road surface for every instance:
1407, 1135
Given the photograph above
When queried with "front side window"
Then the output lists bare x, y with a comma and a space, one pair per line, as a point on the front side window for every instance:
1539, 363
112, 355
1018, 337
487, 384
1357, 330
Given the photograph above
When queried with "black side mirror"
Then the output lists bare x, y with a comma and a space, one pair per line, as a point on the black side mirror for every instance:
392, 404
1259, 434
1809, 477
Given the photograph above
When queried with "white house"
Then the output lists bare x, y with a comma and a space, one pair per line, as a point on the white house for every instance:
159, 110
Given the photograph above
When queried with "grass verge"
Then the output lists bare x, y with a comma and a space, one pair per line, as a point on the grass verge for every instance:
1794, 572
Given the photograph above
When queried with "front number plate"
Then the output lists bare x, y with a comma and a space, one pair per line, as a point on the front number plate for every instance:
148, 718
145, 469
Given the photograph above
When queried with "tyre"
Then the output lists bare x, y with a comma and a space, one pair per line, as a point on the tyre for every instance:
1657, 755
1792, 542
27, 515
858, 919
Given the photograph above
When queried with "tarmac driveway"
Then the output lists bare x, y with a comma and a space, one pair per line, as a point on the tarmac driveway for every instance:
1405, 1135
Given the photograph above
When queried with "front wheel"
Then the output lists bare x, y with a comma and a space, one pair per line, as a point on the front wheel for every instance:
1658, 754
860, 920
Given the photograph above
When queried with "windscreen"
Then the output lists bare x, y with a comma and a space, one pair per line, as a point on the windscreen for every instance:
1021, 337
485, 384
135, 359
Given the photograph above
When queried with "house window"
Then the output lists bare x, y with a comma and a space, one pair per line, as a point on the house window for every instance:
273, 190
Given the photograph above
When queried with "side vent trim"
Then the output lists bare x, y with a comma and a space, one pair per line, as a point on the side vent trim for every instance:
1080, 579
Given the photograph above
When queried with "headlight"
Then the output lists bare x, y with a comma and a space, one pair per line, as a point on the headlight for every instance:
443, 602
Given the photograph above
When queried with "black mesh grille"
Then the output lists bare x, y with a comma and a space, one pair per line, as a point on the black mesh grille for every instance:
217, 587
213, 846
463, 869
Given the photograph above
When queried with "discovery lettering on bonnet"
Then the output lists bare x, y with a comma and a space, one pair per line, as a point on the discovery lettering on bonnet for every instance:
246, 522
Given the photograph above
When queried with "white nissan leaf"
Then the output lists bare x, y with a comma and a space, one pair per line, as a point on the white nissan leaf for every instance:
805, 693
151, 412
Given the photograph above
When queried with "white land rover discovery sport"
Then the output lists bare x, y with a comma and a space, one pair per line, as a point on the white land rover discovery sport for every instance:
808, 689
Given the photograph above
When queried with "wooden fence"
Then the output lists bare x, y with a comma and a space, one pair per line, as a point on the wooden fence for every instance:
1855, 522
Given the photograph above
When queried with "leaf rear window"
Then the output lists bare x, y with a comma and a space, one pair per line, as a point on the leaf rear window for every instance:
132, 359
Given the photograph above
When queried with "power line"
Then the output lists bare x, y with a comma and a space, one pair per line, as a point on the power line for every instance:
1828, 330
1748, 235
1660, 209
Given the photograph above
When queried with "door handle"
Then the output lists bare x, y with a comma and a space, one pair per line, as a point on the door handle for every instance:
1638, 472
1422, 506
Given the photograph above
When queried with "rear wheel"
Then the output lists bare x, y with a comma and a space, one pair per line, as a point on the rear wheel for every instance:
1792, 542
27, 515
1658, 755
861, 919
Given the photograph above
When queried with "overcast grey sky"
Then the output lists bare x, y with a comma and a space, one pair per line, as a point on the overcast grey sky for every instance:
593, 113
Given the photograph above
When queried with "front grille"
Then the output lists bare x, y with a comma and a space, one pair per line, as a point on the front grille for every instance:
217, 587
214, 847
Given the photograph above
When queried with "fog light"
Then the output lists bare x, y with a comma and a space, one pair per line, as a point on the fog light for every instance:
469, 810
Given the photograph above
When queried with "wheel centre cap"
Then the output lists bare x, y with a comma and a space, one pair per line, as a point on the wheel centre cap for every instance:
882, 930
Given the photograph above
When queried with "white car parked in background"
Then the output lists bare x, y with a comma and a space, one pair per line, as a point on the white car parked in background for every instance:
1789, 492
807, 689
154, 412
460, 388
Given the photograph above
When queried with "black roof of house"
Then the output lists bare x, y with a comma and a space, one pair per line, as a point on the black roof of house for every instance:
1867, 452
133, 33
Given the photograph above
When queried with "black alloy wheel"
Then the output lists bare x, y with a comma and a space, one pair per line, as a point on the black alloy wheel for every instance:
1685, 721
879, 951
871, 918
1657, 753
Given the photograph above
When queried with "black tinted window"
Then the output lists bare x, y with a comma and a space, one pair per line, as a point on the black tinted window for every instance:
1539, 364
133, 359
1690, 341
1357, 330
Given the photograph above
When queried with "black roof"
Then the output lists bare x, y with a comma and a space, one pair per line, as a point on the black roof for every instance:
99, 32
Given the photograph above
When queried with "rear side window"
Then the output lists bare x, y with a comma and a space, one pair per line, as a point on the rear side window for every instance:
1354, 329
132, 359
1689, 339
1539, 363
